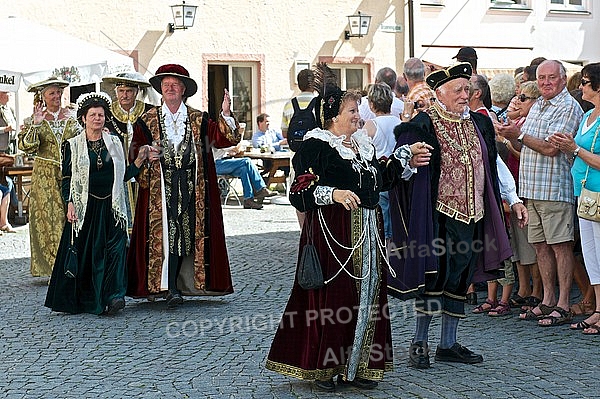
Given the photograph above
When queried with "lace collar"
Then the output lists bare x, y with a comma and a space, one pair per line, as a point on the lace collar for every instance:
451, 116
360, 138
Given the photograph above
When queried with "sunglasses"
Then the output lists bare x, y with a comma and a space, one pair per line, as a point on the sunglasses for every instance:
524, 98
585, 81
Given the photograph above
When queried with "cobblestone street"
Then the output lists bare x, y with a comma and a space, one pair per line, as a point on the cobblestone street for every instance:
216, 347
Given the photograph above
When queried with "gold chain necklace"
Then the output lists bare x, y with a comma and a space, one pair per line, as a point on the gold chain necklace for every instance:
463, 150
97, 147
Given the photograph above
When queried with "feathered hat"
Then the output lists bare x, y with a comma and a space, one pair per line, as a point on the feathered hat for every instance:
93, 99
178, 72
330, 94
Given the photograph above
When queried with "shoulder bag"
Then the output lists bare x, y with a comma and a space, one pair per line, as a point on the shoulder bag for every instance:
587, 207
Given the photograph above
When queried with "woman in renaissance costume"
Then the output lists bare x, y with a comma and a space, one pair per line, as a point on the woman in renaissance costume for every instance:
93, 170
343, 328
43, 134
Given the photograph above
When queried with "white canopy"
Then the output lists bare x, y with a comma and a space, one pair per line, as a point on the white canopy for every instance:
32, 52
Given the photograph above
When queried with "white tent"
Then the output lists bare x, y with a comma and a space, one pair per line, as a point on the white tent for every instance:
32, 53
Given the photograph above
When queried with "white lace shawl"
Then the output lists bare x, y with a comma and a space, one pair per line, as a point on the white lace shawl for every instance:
80, 179
362, 139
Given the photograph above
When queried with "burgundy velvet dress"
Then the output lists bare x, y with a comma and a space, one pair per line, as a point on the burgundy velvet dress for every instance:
344, 327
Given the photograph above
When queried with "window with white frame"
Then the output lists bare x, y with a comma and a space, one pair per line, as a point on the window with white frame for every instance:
350, 76
569, 5
510, 4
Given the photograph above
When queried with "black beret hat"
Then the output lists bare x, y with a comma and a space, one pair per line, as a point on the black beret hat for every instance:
437, 78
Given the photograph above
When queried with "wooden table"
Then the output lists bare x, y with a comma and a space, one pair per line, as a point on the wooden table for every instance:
21, 176
271, 164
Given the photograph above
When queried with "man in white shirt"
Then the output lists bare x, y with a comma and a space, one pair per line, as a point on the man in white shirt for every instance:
8, 124
388, 76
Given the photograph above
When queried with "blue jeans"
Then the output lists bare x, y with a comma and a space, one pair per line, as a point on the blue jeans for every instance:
245, 170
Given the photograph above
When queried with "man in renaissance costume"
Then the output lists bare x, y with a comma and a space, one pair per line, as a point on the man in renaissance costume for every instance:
448, 227
178, 241
125, 114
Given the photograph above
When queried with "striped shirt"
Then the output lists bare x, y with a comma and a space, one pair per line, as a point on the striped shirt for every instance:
543, 177
422, 94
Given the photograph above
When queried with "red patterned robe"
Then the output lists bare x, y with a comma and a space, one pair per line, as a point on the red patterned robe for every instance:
206, 272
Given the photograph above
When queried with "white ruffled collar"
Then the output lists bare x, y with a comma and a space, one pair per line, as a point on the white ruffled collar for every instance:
362, 140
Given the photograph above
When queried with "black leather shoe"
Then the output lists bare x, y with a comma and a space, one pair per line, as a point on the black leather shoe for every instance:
115, 305
457, 354
418, 355
174, 299
472, 298
327, 385
361, 383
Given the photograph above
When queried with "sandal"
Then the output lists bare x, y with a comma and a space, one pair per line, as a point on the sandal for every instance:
545, 310
530, 303
583, 308
485, 307
565, 317
582, 325
502, 309
7, 228
516, 301
594, 329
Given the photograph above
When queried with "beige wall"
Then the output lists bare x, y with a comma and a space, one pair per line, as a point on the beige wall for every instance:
273, 33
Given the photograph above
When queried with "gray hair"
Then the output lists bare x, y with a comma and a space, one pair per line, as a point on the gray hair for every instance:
502, 88
381, 97
561, 68
414, 69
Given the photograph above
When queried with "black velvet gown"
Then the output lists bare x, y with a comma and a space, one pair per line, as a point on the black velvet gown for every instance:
318, 330
101, 245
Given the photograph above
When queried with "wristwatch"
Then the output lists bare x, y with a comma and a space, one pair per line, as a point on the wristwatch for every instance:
520, 138
576, 152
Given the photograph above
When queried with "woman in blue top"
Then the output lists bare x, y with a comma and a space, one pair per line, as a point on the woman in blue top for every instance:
585, 149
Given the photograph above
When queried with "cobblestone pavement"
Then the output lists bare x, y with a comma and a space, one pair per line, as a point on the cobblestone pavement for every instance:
216, 347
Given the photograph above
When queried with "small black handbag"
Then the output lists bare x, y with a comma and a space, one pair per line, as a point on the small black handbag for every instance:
71, 260
310, 273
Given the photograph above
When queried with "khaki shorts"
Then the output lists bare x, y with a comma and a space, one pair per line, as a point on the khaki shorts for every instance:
509, 274
523, 252
550, 222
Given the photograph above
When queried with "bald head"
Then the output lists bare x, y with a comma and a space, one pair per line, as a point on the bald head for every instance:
386, 75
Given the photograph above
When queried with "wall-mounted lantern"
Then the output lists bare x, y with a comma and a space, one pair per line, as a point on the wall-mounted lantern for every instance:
183, 16
359, 25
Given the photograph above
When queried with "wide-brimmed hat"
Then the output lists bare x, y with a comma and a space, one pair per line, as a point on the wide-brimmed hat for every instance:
129, 79
51, 81
93, 99
441, 76
178, 72
466, 53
